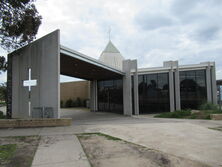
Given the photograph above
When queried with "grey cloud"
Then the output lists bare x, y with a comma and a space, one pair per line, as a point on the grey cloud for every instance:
207, 33
151, 22
184, 6
194, 11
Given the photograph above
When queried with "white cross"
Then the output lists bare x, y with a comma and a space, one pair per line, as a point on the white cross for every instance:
29, 83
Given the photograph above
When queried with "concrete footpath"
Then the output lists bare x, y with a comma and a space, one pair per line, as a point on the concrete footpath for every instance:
60, 150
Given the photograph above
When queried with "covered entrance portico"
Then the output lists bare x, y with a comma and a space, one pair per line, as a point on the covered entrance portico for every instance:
43, 61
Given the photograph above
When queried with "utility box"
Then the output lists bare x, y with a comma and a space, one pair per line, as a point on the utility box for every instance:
42, 112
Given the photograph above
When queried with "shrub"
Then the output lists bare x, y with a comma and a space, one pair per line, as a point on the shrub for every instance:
2, 116
78, 102
176, 114
74, 103
84, 103
69, 103
208, 106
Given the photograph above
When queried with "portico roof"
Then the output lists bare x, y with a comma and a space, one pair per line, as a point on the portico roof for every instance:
75, 64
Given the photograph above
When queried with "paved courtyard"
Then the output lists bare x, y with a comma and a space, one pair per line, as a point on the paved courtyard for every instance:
191, 139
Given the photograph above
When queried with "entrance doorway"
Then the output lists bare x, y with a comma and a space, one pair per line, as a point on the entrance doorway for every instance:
110, 96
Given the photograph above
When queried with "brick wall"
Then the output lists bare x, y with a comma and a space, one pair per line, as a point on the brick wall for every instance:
73, 90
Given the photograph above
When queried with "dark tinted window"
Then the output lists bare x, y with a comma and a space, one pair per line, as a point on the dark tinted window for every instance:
110, 96
153, 93
192, 89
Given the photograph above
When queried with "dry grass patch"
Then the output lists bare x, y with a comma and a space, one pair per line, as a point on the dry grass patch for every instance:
18, 151
104, 150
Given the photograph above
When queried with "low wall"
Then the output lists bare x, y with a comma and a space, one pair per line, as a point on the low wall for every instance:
30, 123
216, 116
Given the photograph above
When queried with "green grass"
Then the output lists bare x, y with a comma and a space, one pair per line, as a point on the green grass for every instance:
6, 152
187, 114
98, 134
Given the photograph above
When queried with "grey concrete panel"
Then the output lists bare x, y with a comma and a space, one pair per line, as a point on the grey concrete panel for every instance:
93, 96
208, 81
19, 93
49, 71
15, 86
171, 88
127, 95
170, 63
172, 84
43, 57
135, 86
177, 88
23, 58
214, 84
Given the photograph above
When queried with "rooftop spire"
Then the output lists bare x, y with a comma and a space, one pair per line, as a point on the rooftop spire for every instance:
110, 48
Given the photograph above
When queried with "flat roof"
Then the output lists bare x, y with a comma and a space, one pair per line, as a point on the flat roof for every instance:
181, 68
75, 64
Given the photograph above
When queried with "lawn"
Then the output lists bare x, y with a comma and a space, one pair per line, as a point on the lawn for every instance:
6, 153
18, 151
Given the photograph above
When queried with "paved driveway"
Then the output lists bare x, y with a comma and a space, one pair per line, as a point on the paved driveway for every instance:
82, 116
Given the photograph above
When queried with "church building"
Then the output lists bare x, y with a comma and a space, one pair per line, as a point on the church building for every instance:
117, 84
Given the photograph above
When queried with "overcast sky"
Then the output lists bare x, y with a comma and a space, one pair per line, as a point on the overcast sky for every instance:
151, 31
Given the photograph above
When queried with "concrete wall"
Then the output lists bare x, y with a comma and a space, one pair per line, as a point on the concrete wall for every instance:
214, 84
171, 65
73, 90
43, 58
130, 67
127, 89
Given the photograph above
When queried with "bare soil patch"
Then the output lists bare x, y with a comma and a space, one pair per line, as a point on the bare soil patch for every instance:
18, 151
107, 151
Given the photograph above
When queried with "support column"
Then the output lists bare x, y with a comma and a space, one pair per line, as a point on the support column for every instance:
214, 84
93, 96
127, 95
171, 88
135, 86
177, 88
208, 81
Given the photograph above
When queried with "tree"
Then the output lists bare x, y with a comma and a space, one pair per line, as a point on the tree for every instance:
3, 93
19, 23
3, 64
